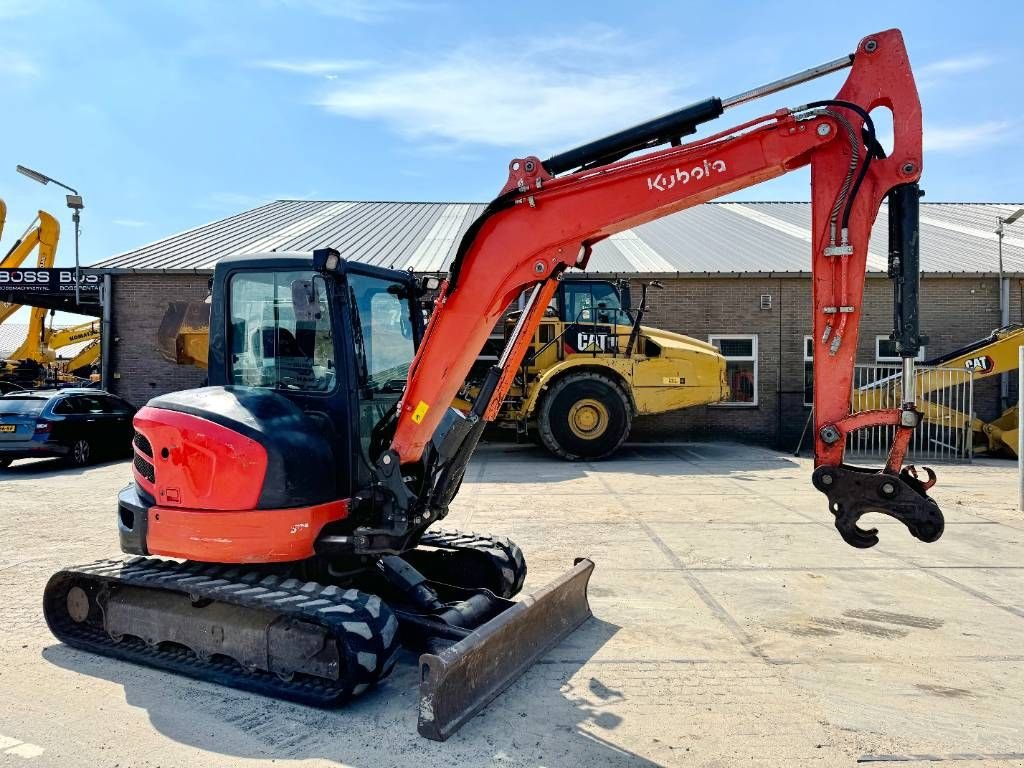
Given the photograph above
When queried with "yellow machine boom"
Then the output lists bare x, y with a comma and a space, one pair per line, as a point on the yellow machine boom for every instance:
996, 354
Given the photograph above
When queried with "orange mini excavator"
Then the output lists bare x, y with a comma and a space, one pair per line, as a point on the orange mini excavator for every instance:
301, 487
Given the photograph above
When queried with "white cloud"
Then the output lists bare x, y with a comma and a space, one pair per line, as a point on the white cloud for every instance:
362, 11
940, 72
134, 223
966, 137
329, 68
15, 64
12, 9
956, 65
530, 97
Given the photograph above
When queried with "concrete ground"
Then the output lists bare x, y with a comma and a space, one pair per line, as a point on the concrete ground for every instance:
732, 627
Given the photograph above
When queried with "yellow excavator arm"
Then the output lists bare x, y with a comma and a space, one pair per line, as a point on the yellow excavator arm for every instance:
90, 355
43, 233
991, 356
65, 337
76, 334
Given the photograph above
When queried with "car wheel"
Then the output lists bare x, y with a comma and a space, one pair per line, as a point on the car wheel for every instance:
81, 453
5, 463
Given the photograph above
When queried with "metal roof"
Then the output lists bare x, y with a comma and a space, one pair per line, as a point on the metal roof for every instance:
714, 238
11, 337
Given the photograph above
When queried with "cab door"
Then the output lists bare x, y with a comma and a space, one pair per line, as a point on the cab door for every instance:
282, 334
383, 327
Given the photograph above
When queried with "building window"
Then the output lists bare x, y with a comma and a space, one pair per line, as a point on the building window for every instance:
808, 370
885, 351
740, 353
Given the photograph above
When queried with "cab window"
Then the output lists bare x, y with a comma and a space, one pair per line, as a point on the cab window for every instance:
280, 331
593, 302
384, 345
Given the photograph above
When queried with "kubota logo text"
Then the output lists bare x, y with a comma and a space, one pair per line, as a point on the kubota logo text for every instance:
662, 182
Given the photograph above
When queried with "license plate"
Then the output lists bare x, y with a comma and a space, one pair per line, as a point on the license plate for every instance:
7, 427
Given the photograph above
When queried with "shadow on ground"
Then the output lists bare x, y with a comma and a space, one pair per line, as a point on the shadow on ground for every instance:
644, 459
542, 719
35, 468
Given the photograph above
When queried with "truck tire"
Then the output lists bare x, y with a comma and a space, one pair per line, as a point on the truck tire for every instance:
584, 416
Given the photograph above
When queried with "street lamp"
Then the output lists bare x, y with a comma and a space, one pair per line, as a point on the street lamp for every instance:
1004, 298
75, 204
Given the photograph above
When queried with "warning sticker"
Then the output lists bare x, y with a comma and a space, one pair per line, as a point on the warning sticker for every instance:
676, 380
420, 412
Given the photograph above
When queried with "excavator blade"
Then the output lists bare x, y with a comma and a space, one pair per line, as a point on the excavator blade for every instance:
459, 681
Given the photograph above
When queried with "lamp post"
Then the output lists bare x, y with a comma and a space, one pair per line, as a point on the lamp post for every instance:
1004, 299
75, 203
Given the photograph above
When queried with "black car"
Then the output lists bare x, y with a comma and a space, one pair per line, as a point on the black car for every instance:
80, 425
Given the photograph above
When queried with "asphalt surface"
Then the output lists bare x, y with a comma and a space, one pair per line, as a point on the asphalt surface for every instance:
732, 627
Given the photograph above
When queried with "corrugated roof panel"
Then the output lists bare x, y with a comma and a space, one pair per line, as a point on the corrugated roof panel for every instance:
431, 255
640, 255
202, 246
874, 262
282, 237
711, 238
606, 257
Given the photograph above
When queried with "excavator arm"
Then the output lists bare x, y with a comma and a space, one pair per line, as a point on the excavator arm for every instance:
43, 233
551, 213
75, 334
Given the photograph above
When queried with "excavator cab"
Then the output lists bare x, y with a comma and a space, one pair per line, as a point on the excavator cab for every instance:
337, 344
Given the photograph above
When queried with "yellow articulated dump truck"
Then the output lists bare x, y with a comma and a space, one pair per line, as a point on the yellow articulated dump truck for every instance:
591, 368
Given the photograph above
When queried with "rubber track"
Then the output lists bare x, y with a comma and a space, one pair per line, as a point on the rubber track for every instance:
348, 613
506, 555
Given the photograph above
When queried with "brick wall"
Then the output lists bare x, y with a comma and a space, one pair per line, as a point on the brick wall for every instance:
138, 371
954, 312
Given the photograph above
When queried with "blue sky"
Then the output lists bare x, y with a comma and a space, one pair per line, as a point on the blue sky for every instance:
167, 115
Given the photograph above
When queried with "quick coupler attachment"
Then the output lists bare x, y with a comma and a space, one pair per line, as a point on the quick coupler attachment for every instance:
855, 491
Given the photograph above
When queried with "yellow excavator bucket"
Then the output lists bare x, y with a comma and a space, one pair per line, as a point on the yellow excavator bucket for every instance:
183, 336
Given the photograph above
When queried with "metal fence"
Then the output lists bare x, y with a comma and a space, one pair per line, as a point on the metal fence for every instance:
945, 396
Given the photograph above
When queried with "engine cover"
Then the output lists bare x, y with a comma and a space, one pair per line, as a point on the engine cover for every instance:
231, 448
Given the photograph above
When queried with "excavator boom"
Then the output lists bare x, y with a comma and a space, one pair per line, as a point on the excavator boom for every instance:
543, 223
43, 234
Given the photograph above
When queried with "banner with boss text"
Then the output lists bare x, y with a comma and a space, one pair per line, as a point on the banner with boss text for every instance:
55, 281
